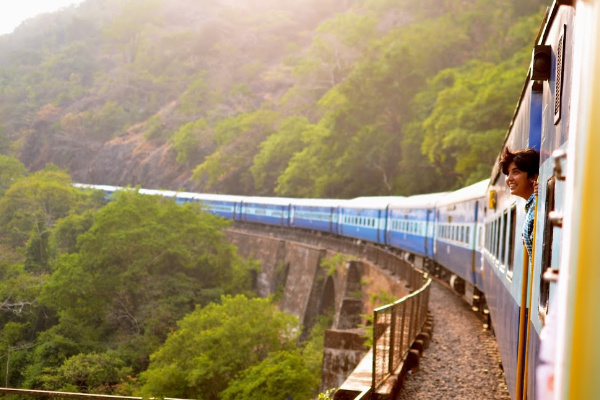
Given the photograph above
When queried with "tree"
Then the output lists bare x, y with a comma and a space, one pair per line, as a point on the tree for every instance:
30, 208
190, 141
468, 119
283, 375
238, 138
88, 373
215, 343
276, 152
11, 170
141, 266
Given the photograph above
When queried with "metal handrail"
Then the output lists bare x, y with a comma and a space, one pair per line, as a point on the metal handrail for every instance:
395, 328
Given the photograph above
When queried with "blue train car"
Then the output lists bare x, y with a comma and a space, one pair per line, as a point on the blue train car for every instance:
266, 210
316, 214
411, 223
226, 206
515, 290
365, 218
459, 232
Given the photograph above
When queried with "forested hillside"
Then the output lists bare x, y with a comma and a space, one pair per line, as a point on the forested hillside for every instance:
320, 98
138, 296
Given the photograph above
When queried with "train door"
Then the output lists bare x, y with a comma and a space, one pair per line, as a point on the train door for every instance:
427, 235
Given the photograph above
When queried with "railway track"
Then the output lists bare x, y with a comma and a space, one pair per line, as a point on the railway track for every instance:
462, 361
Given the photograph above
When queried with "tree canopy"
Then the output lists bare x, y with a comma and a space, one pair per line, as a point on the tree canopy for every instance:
303, 98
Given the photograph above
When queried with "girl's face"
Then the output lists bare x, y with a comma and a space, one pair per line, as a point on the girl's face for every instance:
518, 182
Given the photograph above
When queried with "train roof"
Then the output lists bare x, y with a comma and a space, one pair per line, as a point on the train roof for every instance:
319, 202
157, 192
211, 197
106, 188
380, 202
475, 191
280, 201
428, 200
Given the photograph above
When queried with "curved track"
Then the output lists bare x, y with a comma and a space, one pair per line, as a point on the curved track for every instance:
462, 361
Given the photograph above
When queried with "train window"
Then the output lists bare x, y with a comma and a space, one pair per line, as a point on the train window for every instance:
511, 241
504, 237
547, 245
467, 237
493, 239
489, 232
496, 237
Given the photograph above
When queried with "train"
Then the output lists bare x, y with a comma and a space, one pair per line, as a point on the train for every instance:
545, 304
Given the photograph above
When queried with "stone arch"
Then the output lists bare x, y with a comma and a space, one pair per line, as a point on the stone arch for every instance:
352, 305
353, 279
327, 301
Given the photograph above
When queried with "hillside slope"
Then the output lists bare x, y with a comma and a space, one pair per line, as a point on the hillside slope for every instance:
304, 98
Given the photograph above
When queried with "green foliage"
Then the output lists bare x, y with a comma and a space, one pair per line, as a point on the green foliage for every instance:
88, 373
214, 343
461, 132
327, 395
68, 229
381, 297
34, 204
305, 173
313, 347
155, 129
238, 139
282, 376
102, 124
333, 263
194, 98
276, 152
11, 170
140, 264
190, 140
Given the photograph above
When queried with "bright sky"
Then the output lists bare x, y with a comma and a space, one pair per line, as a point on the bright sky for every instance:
13, 12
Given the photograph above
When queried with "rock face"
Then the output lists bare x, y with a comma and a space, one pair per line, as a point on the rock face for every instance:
126, 160
131, 160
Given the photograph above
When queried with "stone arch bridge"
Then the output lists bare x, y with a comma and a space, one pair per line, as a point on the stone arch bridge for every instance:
317, 273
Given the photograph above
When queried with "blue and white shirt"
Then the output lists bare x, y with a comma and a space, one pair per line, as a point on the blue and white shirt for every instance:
528, 225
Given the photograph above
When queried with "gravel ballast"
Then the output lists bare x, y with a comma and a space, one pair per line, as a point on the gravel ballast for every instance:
462, 361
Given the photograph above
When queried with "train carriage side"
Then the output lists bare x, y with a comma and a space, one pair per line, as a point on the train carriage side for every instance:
266, 210
316, 214
223, 205
365, 218
457, 245
411, 224
514, 288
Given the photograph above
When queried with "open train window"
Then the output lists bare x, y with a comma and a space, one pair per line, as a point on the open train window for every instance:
494, 239
504, 238
547, 245
511, 242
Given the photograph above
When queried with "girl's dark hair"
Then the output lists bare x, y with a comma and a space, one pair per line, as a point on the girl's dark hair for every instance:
527, 160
